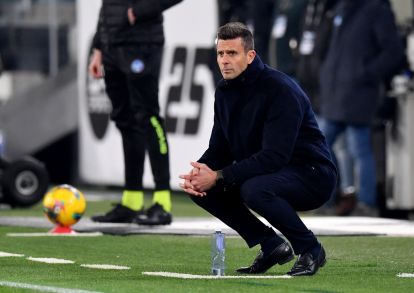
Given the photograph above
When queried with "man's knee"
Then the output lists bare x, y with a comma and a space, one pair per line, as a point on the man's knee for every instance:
252, 191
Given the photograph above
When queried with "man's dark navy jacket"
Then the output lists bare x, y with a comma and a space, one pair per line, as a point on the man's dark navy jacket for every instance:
263, 121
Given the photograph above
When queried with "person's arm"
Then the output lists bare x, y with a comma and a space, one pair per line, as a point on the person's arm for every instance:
96, 42
280, 131
218, 154
144, 9
207, 170
95, 64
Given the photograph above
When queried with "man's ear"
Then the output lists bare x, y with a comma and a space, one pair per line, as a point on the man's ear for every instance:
250, 56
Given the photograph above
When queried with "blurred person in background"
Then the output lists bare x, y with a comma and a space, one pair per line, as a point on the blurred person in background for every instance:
233, 10
128, 47
364, 48
287, 32
313, 43
262, 18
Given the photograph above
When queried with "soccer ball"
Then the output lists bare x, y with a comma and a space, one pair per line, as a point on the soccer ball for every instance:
64, 205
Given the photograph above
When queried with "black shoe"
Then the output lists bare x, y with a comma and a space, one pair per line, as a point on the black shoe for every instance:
306, 265
119, 214
155, 215
281, 255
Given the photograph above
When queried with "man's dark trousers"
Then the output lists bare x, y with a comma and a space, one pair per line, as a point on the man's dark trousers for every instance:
276, 197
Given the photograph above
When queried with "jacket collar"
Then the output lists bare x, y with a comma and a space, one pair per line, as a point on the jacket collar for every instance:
247, 77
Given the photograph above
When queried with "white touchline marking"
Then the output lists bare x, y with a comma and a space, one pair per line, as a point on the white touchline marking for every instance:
405, 275
50, 260
190, 276
104, 267
89, 234
43, 288
6, 254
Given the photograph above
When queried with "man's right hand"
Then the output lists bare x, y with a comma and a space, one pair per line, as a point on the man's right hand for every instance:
95, 66
187, 186
200, 179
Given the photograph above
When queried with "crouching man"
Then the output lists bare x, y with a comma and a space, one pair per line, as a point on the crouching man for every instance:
266, 154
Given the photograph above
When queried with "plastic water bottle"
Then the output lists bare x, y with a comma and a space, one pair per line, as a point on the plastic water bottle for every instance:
218, 249
2, 144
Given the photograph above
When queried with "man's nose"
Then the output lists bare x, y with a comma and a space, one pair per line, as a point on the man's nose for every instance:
224, 59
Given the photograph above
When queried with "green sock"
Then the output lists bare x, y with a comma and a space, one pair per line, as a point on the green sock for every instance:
163, 197
133, 199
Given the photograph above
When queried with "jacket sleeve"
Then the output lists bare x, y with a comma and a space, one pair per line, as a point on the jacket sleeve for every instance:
391, 50
279, 134
96, 42
147, 9
218, 155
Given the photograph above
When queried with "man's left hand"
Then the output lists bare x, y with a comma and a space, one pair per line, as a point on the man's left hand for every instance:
199, 180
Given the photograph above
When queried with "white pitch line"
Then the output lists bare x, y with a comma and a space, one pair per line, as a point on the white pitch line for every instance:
405, 275
51, 260
7, 254
190, 276
42, 288
104, 267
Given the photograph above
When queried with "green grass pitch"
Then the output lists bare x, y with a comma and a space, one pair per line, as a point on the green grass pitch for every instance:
355, 264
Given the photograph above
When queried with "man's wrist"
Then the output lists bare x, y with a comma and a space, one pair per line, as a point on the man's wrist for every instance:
220, 180
219, 177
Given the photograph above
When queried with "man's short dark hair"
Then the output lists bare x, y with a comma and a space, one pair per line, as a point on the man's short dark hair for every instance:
234, 30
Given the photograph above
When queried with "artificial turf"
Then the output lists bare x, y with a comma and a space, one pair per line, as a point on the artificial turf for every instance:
355, 264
